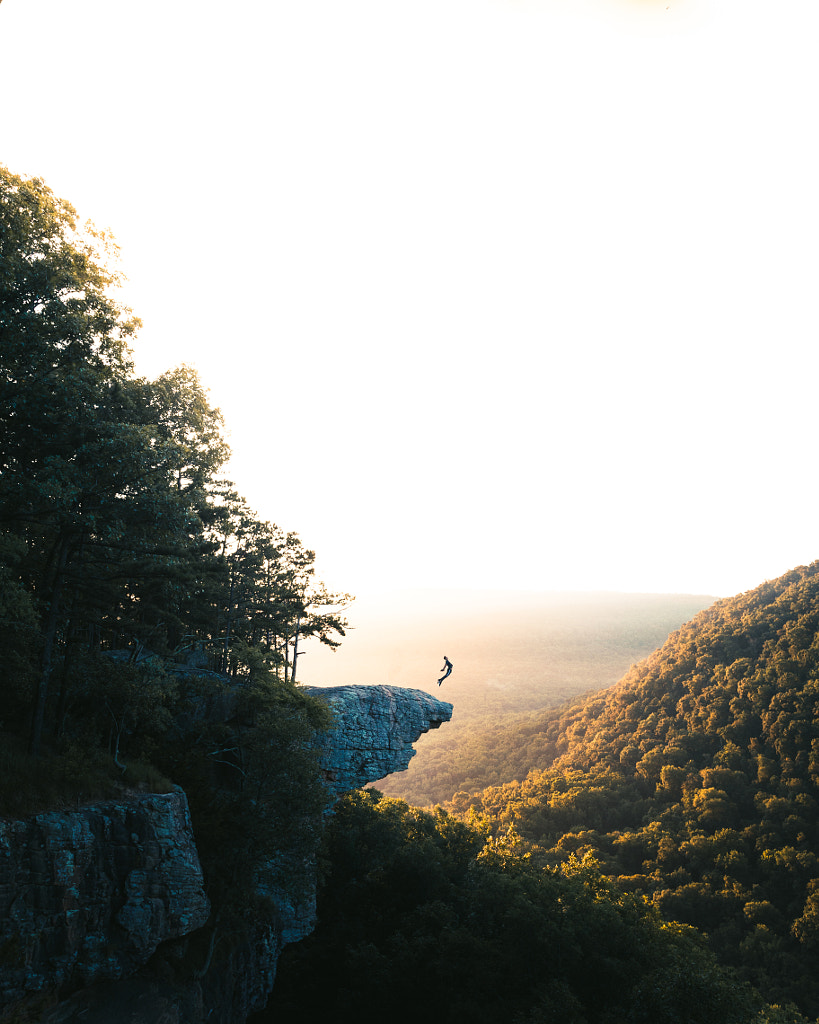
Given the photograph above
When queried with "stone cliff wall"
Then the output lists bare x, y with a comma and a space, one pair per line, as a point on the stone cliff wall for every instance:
90, 894
87, 897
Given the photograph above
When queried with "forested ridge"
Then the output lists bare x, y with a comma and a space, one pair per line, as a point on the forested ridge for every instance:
682, 804
695, 782
425, 915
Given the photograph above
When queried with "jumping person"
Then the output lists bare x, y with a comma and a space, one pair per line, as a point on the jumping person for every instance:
446, 669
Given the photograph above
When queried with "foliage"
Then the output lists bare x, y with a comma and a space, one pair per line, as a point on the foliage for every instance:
695, 782
416, 908
116, 534
149, 621
62, 780
253, 784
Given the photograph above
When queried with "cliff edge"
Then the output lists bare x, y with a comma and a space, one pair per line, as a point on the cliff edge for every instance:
91, 900
375, 728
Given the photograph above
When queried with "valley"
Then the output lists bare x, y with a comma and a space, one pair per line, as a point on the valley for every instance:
515, 654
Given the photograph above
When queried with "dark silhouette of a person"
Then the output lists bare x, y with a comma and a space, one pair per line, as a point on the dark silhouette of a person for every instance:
447, 669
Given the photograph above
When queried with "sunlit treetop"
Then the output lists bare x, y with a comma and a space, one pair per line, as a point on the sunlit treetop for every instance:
56, 282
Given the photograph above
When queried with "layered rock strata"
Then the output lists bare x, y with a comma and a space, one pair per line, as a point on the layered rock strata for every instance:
91, 898
89, 894
375, 728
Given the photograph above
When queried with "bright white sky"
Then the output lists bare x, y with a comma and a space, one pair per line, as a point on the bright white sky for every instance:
492, 293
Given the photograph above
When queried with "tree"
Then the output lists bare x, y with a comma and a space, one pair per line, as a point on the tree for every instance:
62, 344
118, 531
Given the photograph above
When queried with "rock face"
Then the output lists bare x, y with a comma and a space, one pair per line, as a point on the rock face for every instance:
89, 894
87, 897
375, 729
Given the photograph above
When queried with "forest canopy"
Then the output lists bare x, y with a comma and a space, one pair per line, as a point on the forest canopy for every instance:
677, 813
695, 783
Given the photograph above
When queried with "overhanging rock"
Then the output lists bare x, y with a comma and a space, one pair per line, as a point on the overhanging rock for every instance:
375, 728
87, 896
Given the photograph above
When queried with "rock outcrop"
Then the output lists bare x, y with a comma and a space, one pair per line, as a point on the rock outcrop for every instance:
375, 728
90, 900
89, 894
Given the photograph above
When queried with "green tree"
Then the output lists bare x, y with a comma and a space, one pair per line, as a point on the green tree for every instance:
62, 344
116, 531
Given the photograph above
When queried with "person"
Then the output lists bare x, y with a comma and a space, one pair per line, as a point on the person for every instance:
446, 669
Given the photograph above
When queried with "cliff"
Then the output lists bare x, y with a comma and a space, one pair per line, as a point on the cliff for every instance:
375, 728
92, 893
104, 900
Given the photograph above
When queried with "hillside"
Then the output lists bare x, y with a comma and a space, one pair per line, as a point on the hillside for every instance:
695, 781
422, 914
515, 654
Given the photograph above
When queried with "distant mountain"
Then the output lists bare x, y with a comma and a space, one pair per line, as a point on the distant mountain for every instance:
514, 653
695, 781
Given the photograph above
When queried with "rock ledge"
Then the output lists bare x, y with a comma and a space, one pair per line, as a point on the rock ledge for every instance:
375, 729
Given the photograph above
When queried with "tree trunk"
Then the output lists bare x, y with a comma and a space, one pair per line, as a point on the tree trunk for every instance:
295, 651
48, 649
226, 644
62, 700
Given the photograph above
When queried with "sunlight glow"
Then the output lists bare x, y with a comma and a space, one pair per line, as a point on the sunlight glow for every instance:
496, 294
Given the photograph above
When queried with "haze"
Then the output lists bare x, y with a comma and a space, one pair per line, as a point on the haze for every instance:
504, 295
512, 651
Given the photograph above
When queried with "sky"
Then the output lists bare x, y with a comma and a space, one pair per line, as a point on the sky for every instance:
493, 294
